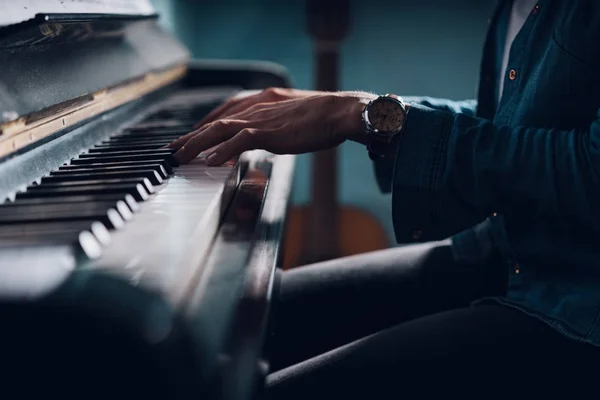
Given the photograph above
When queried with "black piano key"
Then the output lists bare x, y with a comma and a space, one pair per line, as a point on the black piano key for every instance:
85, 242
154, 144
133, 141
109, 198
69, 176
105, 164
64, 209
172, 113
161, 124
109, 217
182, 120
54, 230
141, 157
95, 182
127, 145
112, 152
123, 147
44, 228
144, 139
152, 133
159, 169
136, 190
155, 126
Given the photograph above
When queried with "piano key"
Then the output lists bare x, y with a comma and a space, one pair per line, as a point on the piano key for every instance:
95, 182
59, 209
129, 141
132, 146
69, 176
181, 117
155, 145
124, 211
105, 164
84, 241
183, 120
159, 169
150, 126
51, 230
109, 217
124, 158
111, 152
145, 139
151, 132
110, 198
136, 190
167, 226
173, 112
158, 124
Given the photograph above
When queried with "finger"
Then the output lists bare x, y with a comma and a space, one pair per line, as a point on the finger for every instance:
177, 143
228, 113
263, 111
216, 113
239, 103
246, 139
212, 135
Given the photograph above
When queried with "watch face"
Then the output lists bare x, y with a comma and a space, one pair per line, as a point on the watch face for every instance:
386, 115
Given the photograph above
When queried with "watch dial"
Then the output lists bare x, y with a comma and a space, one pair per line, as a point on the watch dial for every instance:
386, 115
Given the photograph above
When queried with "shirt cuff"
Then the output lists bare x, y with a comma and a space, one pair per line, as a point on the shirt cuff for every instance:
418, 169
384, 171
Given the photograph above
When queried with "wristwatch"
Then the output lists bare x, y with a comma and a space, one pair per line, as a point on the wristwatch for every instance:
383, 118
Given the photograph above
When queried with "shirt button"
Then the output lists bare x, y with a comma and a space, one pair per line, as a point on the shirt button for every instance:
516, 268
494, 214
536, 9
512, 75
417, 234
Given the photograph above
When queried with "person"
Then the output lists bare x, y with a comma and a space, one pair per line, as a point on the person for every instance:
500, 198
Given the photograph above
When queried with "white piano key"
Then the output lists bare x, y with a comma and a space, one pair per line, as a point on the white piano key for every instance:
166, 241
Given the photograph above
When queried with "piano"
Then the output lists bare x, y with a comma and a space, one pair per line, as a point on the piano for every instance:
122, 273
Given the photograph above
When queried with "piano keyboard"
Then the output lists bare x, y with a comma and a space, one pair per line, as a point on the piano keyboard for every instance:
124, 203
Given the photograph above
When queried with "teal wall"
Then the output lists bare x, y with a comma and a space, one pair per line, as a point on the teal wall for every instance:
427, 47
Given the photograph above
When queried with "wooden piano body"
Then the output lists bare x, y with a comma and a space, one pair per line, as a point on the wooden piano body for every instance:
108, 289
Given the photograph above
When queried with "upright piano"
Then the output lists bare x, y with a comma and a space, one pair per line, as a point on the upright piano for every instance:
122, 273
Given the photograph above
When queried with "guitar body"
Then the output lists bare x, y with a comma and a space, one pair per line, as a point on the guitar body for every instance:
358, 232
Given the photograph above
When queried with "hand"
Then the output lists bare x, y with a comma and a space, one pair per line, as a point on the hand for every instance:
282, 121
248, 98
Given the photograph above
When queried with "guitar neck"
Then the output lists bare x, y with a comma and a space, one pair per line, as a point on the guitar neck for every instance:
328, 22
323, 229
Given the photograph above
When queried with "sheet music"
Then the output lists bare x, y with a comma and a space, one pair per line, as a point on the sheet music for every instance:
15, 11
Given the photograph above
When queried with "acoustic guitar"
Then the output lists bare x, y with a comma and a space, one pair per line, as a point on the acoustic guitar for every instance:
324, 229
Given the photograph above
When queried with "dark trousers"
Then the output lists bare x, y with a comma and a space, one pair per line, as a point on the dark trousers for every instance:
399, 324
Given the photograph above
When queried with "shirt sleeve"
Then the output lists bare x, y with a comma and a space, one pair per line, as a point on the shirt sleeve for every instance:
383, 168
453, 170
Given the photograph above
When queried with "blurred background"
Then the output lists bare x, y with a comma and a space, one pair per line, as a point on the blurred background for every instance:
425, 47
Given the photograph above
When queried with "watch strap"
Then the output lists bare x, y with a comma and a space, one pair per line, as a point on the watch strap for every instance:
377, 149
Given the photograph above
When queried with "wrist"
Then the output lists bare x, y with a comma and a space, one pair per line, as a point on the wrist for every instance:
352, 126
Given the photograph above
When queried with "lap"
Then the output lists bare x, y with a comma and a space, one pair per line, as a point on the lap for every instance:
398, 321
477, 350
328, 304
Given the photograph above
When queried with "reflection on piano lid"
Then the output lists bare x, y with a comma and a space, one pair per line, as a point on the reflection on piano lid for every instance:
139, 258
